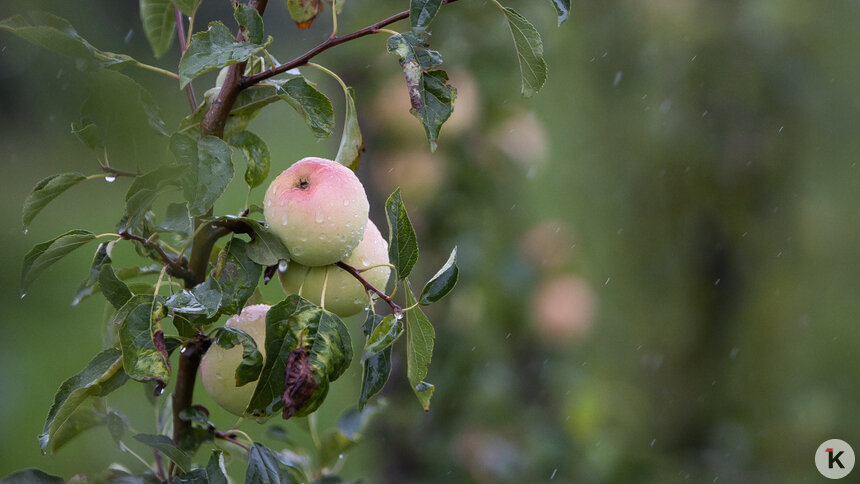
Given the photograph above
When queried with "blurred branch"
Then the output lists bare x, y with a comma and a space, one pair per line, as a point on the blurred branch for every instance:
180, 26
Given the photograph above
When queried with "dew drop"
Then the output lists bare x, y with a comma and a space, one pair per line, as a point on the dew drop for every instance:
110, 179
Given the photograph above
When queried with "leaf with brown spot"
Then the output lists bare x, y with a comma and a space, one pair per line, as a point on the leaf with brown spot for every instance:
304, 12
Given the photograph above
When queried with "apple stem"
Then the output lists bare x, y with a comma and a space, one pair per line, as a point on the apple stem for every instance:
397, 310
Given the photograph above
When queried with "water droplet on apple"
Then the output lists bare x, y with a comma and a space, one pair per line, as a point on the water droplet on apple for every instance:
319, 217
110, 179
346, 203
284, 220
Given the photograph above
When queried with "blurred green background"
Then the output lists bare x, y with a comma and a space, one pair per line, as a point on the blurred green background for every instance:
659, 253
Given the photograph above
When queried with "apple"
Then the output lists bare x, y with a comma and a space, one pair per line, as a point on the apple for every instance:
563, 309
344, 295
218, 367
319, 210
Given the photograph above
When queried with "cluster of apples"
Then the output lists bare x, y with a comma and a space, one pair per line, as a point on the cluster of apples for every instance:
319, 209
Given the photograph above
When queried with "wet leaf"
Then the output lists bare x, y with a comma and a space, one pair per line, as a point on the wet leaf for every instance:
114, 290
351, 142
443, 282
256, 154
290, 324
384, 334
213, 49
252, 360
210, 170
80, 421
45, 191
251, 23
188, 7
402, 241
376, 368
102, 375
141, 359
562, 8
419, 349
238, 276
44, 255
431, 97
422, 12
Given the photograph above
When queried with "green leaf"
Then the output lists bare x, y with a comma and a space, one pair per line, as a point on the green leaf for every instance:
419, 349
101, 257
142, 360
251, 23
159, 24
43, 255
80, 421
117, 424
402, 242
304, 12
176, 219
114, 290
90, 286
351, 142
102, 375
263, 467
31, 476
210, 171
238, 276
194, 476
161, 177
441, 284
266, 248
529, 52
118, 105
431, 97
323, 335
166, 446
383, 336
188, 7
256, 154
312, 104
45, 191
562, 7
252, 360
350, 426
214, 49
422, 12
216, 469
203, 299
88, 133
376, 369
57, 34
337, 5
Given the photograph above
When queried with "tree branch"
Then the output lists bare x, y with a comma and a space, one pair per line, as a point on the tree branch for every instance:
370, 287
328, 44
175, 268
183, 395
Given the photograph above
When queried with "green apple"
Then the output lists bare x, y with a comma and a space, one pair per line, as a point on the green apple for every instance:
218, 367
319, 210
344, 295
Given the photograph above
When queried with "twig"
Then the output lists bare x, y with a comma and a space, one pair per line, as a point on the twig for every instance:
328, 44
189, 90
230, 438
174, 267
397, 310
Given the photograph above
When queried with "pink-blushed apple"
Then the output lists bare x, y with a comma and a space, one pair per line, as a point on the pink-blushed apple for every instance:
344, 295
319, 210
218, 367
563, 309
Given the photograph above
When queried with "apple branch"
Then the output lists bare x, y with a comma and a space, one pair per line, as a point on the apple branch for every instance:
328, 44
397, 310
175, 267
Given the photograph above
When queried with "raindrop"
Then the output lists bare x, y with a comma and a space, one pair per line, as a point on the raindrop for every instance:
554, 472
734, 353
25, 231
607, 281
23, 295
128, 36
780, 129
617, 80
110, 179
283, 264
159, 389
653, 442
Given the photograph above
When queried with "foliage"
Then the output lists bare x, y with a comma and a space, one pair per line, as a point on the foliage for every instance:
200, 282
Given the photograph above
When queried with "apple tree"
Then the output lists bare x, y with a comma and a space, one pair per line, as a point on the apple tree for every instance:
192, 304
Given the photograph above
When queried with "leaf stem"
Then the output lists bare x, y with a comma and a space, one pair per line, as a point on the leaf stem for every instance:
397, 310
159, 70
332, 74
387, 31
